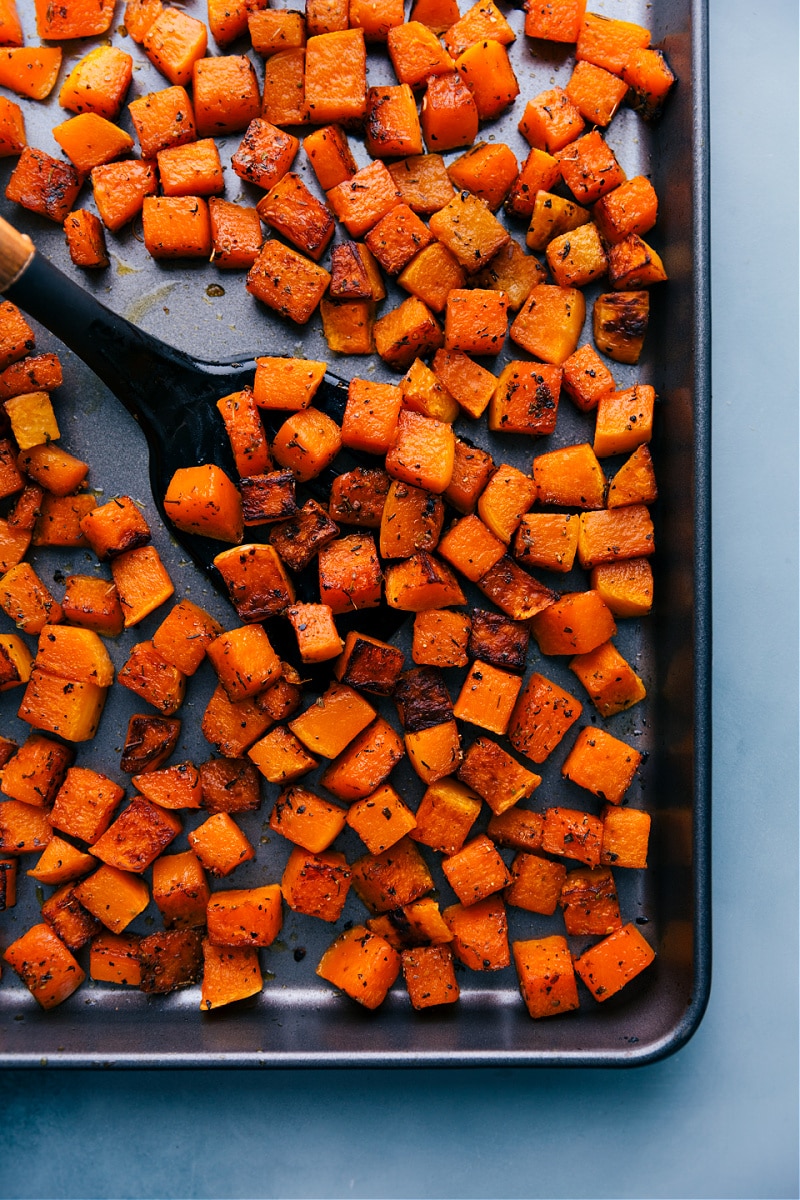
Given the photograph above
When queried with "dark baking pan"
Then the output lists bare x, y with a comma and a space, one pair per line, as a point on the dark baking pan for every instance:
297, 1020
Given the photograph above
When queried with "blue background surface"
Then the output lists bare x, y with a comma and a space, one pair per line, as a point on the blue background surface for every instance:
720, 1118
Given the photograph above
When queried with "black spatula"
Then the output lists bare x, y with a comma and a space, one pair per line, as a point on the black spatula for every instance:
171, 395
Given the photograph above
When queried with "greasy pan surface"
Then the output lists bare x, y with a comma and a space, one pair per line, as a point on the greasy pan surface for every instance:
298, 1020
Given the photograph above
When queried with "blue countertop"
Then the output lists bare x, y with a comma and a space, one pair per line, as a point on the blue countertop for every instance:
720, 1118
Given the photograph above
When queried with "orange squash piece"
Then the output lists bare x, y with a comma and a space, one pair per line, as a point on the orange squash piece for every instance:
316, 884
245, 917
306, 819
366, 762
30, 71
602, 764
381, 819
98, 82
329, 725
606, 967
480, 934
115, 897
174, 42
230, 973
362, 964
336, 77
546, 975
542, 716
45, 965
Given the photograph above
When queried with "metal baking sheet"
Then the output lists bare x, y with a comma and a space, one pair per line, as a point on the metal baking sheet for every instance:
297, 1019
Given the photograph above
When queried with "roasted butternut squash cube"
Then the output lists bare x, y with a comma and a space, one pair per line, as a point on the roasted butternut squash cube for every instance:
635, 481
606, 967
602, 764
498, 640
536, 884
586, 378
573, 834
360, 202
476, 321
496, 777
336, 77
137, 836
487, 698
220, 846
316, 884
481, 21
626, 586
546, 975
61, 862
371, 415
114, 958
514, 591
440, 638
470, 231
421, 582
472, 467
148, 676
486, 69
575, 623
45, 965
327, 149
611, 681
287, 282
281, 757
362, 964
389, 880
184, 635
291, 209
434, 752
171, 787
446, 814
423, 182
115, 897
256, 580
626, 832
142, 582
169, 960
36, 771
449, 115
549, 323
333, 720
349, 573
589, 902
407, 332
392, 124
24, 828
476, 871
369, 664
517, 829
634, 264
33, 420
180, 890
429, 976
514, 272
547, 540
630, 208
244, 661
245, 916
619, 324
149, 742
480, 933
422, 452
70, 708
230, 973
381, 820
526, 399
551, 120
229, 785
542, 716
616, 533
85, 803
306, 443
624, 420
299, 539
366, 762
93, 603
306, 819
570, 477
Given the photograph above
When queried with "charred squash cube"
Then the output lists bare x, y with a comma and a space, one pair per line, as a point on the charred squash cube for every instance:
256, 581
369, 664
149, 742
170, 960
498, 640
299, 539
270, 497
422, 699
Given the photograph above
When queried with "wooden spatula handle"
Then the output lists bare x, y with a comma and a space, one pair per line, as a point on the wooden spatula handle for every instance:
16, 251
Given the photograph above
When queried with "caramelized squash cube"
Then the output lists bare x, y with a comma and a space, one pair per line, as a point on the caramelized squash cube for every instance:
45, 965
496, 777
306, 819
381, 820
542, 716
316, 884
220, 847
361, 964
256, 580
546, 975
245, 916
606, 967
